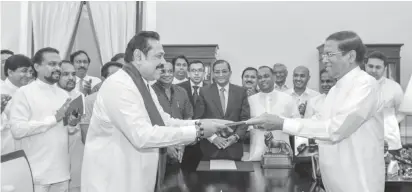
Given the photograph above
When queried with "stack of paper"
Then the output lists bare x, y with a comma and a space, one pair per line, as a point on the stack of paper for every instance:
222, 165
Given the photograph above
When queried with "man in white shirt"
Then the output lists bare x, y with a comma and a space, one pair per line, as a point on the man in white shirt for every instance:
350, 123
17, 70
38, 117
180, 64
269, 100
281, 73
84, 82
392, 95
67, 82
301, 94
128, 125
249, 80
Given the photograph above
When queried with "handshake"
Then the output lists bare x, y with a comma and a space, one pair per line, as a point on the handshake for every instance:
265, 121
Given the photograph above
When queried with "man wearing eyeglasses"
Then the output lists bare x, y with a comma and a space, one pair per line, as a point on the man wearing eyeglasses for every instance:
174, 101
350, 124
196, 73
223, 100
84, 82
17, 70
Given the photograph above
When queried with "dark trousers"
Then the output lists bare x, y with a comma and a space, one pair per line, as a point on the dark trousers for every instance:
191, 157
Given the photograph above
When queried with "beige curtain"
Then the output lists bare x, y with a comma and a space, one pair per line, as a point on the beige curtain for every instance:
54, 23
114, 24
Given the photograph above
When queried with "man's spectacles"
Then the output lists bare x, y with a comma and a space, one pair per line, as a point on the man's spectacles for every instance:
330, 54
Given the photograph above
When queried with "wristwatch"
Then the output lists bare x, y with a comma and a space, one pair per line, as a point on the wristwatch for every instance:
199, 131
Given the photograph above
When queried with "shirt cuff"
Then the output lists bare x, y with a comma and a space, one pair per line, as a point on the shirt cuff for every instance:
291, 126
211, 138
50, 120
188, 134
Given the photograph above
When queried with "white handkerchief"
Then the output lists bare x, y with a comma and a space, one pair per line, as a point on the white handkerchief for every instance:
222, 165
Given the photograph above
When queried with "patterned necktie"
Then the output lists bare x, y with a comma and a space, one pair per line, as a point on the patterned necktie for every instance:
195, 94
222, 99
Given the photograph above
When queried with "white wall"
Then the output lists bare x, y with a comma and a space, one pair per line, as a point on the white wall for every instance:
263, 33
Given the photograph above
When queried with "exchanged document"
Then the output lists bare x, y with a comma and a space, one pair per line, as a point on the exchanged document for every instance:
222, 165
235, 123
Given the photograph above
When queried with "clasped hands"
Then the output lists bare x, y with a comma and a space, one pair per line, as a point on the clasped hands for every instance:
223, 143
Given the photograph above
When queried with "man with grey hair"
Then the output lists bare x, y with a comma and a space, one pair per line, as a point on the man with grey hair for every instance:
281, 73
350, 124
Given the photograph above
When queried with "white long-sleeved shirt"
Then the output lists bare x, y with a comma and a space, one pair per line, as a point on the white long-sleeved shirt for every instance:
351, 124
177, 81
305, 97
275, 102
122, 145
34, 126
7, 141
392, 95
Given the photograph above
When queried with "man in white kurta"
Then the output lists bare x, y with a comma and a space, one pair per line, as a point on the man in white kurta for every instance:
268, 100
36, 118
18, 74
68, 83
122, 146
301, 94
350, 123
392, 95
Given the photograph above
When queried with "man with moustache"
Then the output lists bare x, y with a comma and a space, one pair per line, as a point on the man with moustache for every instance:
281, 73
180, 66
301, 94
350, 124
84, 82
17, 70
36, 118
268, 100
67, 82
249, 80
392, 93
128, 132
174, 101
196, 72
223, 100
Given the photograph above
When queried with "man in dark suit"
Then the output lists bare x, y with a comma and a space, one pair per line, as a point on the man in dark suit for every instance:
223, 100
196, 73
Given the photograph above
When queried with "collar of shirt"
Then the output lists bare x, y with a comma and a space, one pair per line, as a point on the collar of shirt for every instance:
283, 87
10, 86
43, 85
347, 77
226, 88
193, 84
177, 81
382, 80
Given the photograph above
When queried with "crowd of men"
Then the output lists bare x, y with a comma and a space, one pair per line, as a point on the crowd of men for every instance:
36, 93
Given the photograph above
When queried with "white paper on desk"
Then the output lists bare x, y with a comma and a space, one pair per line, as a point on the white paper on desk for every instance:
222, 165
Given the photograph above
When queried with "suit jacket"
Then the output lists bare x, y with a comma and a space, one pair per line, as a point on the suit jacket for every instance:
237, 107
186, 85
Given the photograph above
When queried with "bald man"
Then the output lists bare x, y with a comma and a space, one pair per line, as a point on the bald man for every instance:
301, 94
281, 73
